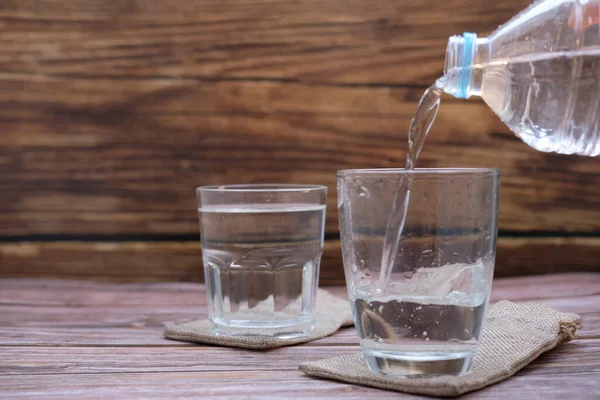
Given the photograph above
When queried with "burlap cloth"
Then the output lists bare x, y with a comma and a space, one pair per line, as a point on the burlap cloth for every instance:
514, 335
332, 314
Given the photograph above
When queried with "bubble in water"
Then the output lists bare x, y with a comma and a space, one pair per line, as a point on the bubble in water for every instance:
363, 192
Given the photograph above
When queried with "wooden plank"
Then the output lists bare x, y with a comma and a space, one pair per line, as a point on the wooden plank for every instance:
182, 261
89, 293
39, 334
314, 40
246, 384
128, 337
156, 317
579, 356
33, 368
137, 336
95, 157
137, 261
76, 360
80, 313
261, 385
85, 157
544, 287
534, 255
128, 261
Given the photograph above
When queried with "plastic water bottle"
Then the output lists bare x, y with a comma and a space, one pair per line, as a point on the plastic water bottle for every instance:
540, 73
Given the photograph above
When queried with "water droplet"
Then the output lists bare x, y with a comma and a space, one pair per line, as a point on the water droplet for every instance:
363, 192
424, 333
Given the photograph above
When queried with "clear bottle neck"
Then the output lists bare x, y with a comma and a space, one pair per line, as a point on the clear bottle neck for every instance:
462, 77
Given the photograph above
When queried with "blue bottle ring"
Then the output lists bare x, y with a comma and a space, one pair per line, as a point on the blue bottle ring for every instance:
465, 62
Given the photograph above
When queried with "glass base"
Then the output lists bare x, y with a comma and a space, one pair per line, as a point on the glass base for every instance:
423, 364
277, 329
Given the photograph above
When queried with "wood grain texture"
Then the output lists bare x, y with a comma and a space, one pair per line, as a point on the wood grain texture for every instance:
61, 338
259, 385
88, 293
84, 157
580, 356
155, 317
112, 112
380, 41
182, 261
62, 312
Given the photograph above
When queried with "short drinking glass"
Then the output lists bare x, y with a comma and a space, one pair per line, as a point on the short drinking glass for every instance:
261, 249
427, 316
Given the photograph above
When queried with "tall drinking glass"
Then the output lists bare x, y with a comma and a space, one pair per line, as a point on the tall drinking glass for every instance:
427, 316
261, 249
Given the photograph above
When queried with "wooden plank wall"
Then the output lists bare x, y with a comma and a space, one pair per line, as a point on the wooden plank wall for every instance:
113, 111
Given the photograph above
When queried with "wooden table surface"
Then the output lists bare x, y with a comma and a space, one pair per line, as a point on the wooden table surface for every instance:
81, 339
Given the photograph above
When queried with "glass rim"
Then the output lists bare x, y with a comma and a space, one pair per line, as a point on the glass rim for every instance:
418, 171
263, 188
